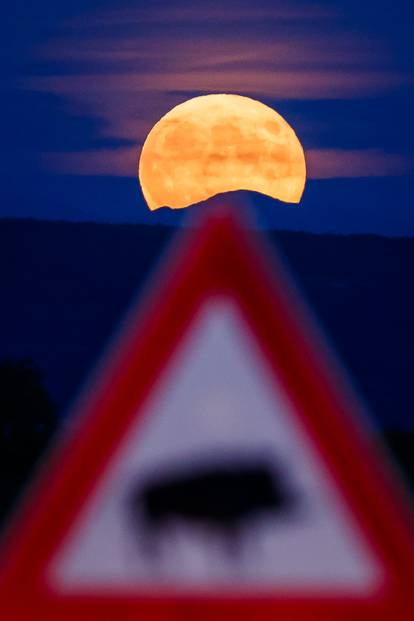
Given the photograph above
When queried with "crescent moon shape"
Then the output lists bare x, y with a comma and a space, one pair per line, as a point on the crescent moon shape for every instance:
220, 143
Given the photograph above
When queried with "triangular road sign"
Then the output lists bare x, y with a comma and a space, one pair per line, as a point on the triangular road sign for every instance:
217, 468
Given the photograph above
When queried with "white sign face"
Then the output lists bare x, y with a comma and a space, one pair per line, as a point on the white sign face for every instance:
216, 485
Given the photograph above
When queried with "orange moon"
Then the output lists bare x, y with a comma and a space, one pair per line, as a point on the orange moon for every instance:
220, 143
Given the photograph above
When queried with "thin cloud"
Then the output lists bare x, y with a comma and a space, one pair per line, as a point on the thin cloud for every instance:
122, 162
286, 50
335, 163
288, 84
321, 163
229, 11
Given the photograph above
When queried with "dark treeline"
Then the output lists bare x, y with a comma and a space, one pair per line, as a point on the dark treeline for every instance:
28, 420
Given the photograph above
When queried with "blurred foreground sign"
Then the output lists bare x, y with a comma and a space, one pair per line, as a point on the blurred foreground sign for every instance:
217, 468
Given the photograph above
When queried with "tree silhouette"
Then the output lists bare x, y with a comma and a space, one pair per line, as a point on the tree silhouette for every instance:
27, 422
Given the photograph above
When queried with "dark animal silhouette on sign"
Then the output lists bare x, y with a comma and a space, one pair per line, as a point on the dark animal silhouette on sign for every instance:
221, 499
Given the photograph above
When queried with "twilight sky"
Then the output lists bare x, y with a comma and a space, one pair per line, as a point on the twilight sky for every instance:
84, 81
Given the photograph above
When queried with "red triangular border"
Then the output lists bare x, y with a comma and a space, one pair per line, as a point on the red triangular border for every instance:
218, 258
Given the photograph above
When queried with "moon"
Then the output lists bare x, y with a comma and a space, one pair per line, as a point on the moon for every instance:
220, 143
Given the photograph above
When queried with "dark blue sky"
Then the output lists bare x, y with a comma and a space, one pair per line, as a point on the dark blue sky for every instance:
83, 82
